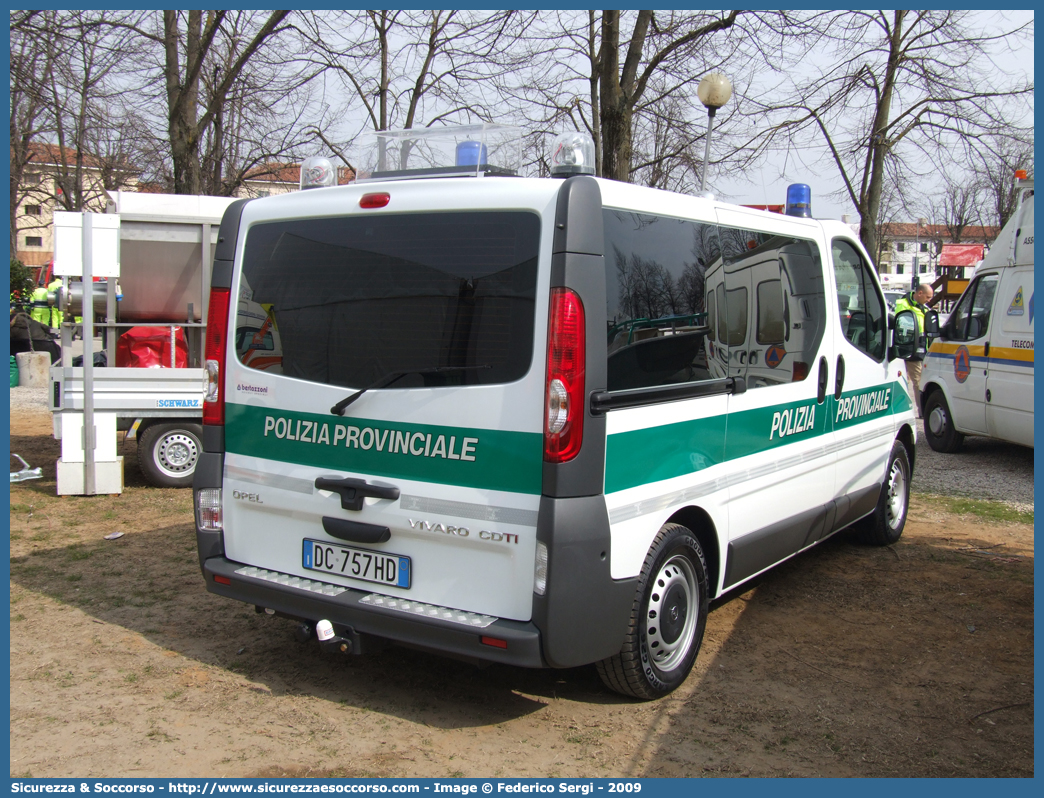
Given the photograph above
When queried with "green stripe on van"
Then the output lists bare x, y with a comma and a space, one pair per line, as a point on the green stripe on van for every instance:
649, 455
473, 458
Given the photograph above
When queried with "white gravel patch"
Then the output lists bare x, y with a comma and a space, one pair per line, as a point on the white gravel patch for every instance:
983, 469
29, 399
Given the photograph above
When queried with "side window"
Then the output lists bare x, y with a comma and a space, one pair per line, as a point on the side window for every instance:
771, 328
657, 308
712, 316
971, 317
860, 305
736, 304
723, 330
776, 305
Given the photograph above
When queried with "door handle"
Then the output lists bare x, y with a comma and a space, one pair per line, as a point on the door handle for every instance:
354, 531
754, 357
353, 491
839, 377
823, 377
742, 358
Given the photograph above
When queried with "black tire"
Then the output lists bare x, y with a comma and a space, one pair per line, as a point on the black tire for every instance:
885, 524
938, 425
168, 452
672, 587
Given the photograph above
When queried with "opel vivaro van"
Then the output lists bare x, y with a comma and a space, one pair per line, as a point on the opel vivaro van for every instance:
534, 421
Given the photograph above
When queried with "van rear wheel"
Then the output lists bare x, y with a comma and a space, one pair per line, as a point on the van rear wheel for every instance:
938, 425
885, 524
168, 453
668, 619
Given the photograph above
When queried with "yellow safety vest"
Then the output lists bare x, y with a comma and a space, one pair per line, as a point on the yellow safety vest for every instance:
906, 302
41, 311
56, 315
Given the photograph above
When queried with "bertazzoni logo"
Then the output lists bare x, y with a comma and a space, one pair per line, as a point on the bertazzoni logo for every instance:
243, 387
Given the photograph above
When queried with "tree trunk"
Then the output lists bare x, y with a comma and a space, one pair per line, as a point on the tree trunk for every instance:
182, 99
880, 145
615, 111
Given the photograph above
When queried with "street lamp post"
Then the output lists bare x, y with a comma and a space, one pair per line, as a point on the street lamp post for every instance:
714, 91
916, 279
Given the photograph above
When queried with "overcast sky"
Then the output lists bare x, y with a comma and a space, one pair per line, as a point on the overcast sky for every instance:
769, 188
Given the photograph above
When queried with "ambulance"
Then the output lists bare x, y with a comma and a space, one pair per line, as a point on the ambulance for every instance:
978, 376
537, 421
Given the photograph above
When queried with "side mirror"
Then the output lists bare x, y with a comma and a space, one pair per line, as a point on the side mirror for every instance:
904, 336
931, 323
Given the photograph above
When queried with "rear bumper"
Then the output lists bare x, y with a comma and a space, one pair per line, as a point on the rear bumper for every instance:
345, 610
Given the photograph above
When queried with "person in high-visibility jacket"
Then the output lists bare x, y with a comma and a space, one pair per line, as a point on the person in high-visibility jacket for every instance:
56, 314
915, 301
41, 311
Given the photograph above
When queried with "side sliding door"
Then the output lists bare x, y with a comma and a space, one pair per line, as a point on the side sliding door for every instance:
778, 450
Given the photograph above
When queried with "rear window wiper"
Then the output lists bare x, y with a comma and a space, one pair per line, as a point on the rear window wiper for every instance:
388, 379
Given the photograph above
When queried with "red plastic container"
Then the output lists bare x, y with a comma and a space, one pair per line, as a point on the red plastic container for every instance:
151, 347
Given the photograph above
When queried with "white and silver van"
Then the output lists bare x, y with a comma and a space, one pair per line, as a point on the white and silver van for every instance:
978, 376
540, 422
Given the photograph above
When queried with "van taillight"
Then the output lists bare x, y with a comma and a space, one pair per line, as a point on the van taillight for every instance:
217, 340
564, 391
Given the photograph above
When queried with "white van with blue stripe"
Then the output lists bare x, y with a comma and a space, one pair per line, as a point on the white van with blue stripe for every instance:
540, 422
978, 376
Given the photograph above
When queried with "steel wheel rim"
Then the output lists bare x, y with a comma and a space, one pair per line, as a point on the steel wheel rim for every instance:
896, 504
670, 618
177, 453
937, 421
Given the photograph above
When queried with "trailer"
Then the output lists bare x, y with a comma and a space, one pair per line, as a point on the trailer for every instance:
166, 245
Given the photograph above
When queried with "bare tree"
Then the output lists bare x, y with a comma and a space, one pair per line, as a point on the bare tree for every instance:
193, 42
995, 165
630, 80
86, 107
32, 64
958, 205
402, 69
653, 44
898, 86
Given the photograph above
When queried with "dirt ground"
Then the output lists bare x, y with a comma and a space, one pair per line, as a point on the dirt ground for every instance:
911, 660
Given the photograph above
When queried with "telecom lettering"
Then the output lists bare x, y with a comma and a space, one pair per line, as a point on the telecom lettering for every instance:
416, 444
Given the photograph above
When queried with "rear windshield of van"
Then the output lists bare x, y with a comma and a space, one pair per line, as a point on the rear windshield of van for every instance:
355, 301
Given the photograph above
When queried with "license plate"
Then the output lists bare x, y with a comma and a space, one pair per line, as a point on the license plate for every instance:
362, 564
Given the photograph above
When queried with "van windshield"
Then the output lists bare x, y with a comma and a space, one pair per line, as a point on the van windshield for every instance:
347, 300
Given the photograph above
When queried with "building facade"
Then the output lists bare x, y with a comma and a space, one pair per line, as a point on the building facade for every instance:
40, 192
909, 248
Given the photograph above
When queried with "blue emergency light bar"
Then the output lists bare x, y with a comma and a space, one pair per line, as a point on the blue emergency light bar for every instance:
471, 153
799, 200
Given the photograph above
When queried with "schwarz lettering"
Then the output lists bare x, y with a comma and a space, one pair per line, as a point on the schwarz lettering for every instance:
179, 403
1021, 344
430, 445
